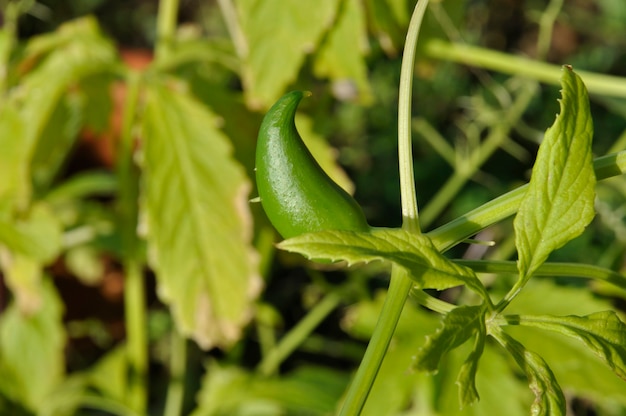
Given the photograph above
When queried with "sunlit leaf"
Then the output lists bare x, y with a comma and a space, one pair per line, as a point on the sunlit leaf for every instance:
549, 399
276, 37
558, 204
32, 359
198, 220
414, 252
341, 56
602, 332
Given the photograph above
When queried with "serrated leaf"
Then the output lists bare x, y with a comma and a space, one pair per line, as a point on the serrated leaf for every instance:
277, 36
559, 202
341, 56
466, 380
32, 351
549, 399
602, 332
413, 252
457, 327
198, 219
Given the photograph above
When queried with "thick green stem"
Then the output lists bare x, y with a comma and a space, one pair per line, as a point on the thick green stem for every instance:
366, 374
298, 334
400, 284
134, 289
504, 206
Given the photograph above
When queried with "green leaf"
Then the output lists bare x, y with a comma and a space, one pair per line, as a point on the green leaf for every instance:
602, 332
457, 327
578, 369
228, 390
276, 37
77, 50
341, 56
198, 219
466, 380
15, 188
37, 236
558, 204
32, 351
549, 399
32, 109
414, 252
56, 140
110, 374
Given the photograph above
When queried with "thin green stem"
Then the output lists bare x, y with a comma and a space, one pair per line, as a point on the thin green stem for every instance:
504, 206
586, 271
546, 26
410, 215
400, 283
229, 13
176, 385
432, 303
166, 28
134, 289
516, 65
383, 332
271, 362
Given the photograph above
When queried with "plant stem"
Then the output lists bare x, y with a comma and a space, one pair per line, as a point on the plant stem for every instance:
270, 363
134, 290
366, 374
504, 206
176, 385
400, 284
136, 337
516, 65
410, 215
166, 28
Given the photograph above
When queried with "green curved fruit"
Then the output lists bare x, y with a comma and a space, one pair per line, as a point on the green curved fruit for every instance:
297, 195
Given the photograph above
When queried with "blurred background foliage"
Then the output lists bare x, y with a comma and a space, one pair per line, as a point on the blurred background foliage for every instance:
477, 126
